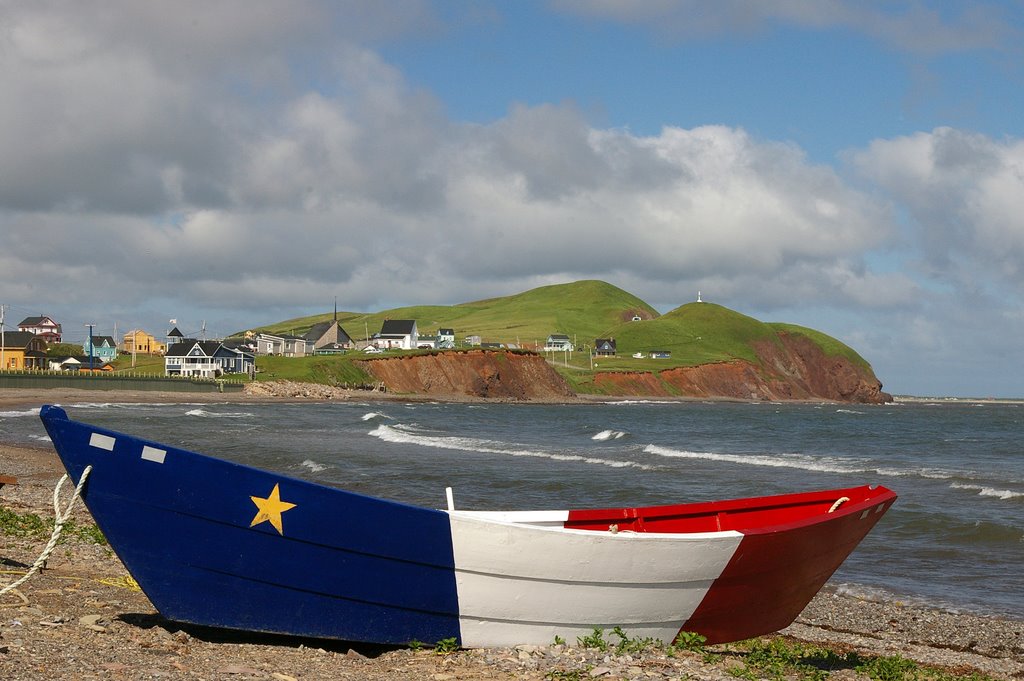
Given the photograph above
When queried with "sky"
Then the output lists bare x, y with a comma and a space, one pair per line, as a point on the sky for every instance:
852, 166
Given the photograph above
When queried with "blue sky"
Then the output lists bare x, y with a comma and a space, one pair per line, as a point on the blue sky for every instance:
857, 167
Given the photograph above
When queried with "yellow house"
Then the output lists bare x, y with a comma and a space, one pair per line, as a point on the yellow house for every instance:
22, 350
141, 343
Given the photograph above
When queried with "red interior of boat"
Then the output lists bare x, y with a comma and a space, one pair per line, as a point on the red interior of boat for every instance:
738, 514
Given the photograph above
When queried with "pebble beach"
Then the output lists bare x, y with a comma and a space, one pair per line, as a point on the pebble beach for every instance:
82, 617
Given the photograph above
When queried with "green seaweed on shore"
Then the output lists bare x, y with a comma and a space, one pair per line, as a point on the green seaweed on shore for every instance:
779, 658
32, 526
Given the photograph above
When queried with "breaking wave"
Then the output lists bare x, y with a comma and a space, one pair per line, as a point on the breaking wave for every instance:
15, 414
313, 466
218, 415
401, 434
821, 465
780, 461
608, 435
984, 491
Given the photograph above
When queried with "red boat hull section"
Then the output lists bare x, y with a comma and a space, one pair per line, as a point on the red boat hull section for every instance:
792, 544
775, 573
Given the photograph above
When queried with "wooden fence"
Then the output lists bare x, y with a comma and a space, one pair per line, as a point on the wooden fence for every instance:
32, 378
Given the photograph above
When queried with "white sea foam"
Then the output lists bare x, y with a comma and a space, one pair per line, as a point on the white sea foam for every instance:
313, 465
15, 414
984, 491
772, 461
608, 435
41, 438
403, 434
848, 411
215, 415
928, 473
374, 415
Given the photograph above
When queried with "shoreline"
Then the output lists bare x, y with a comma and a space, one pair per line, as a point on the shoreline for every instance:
82, 598
295, 392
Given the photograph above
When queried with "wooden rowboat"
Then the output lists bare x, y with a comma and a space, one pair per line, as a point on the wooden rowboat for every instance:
221, 544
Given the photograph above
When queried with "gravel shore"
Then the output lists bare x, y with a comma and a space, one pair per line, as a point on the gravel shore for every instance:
83, 618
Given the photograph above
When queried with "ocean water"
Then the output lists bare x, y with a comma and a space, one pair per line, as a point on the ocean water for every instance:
954, 539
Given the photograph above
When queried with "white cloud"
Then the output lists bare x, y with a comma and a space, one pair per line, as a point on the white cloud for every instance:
963, 193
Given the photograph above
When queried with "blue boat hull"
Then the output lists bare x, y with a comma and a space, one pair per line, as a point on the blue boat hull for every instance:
347, 566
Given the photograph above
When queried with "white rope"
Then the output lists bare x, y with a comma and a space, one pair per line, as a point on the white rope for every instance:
839, 502
59, 520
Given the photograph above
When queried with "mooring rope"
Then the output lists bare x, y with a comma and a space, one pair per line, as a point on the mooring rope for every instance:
839, 502
59, 520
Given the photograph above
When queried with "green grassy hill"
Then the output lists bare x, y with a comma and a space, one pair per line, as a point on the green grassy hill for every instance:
584, 309
694, 333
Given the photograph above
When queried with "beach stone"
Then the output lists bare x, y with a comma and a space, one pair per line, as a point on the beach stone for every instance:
90, 620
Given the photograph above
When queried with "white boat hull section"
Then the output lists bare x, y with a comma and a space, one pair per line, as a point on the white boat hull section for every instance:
530, 582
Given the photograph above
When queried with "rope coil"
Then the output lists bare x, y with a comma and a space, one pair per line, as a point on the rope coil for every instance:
60, 519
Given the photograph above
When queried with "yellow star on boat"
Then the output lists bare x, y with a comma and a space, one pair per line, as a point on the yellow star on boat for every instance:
270, 509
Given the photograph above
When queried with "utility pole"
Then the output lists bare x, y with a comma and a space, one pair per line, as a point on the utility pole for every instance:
90, 346
3, 365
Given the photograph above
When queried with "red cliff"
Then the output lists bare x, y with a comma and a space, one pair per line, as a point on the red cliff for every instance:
795, 369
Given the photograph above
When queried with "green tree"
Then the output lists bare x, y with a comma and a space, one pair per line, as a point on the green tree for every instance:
64, 350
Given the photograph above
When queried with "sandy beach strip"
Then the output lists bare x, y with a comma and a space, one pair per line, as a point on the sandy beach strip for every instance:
81, 618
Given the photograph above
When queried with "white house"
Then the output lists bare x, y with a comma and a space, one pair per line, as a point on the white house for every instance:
558, 342
268, 344
446, 339
397, 334
192, 358
207, 359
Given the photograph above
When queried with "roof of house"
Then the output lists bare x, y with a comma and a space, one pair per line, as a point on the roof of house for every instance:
67, 359
182, 349
446, 332
605, 343
318, 330
84, 360
37, 321
397, 327
18, 339
558, 337
229, 350
100, 340
175, 332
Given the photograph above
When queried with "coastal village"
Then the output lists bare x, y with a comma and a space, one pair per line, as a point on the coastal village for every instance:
30, 347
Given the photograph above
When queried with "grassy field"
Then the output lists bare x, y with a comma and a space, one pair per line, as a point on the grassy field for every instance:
585, 310
144, 364
336, 370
